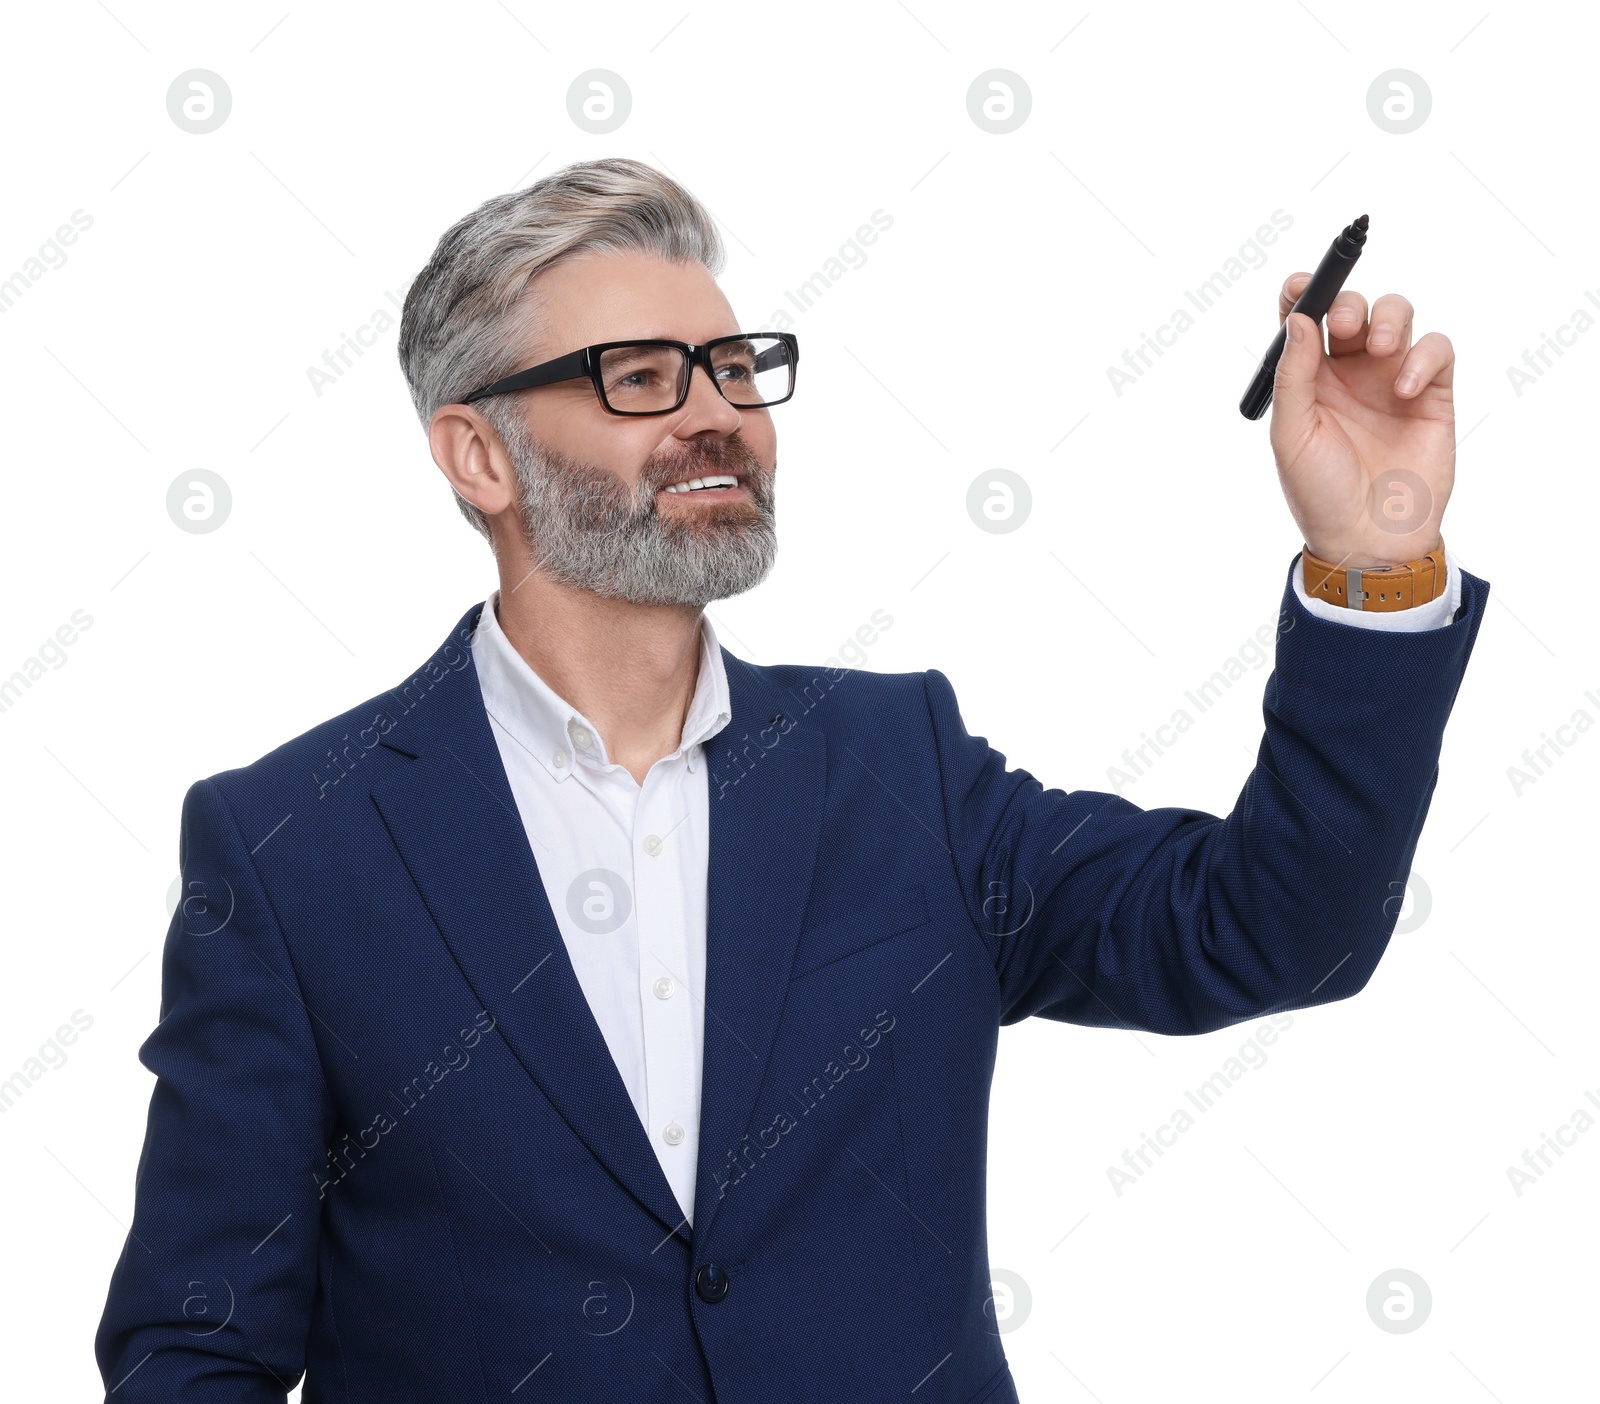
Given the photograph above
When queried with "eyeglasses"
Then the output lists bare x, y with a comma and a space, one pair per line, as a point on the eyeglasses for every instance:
750, 369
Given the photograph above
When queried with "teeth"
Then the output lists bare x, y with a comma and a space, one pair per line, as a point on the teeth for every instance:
711, 481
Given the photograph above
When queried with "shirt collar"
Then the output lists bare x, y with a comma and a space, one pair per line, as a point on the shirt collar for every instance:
554, 732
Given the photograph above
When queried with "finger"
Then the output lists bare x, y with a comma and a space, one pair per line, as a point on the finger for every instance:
1432, 361
1390, 326
1293, 286
1347, 324
1294, 395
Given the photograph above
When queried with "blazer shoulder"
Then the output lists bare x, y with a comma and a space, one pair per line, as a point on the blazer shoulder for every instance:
318, 768
827, 697
332, 765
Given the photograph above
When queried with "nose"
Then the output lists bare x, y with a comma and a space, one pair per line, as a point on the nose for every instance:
706, 402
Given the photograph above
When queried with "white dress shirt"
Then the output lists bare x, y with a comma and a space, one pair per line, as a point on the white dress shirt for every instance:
625, 866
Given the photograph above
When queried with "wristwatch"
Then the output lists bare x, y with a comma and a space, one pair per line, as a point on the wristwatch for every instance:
1390, 588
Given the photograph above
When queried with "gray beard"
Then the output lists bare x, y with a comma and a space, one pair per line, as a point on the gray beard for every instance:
585, 527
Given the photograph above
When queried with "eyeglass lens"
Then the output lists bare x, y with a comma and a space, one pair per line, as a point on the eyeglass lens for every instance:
751, 372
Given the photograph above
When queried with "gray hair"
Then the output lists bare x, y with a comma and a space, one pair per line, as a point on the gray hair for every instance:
467, 316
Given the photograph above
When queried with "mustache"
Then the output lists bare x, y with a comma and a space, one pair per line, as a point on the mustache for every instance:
730, 455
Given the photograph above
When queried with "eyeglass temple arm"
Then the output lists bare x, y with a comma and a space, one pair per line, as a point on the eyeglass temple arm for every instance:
572, 366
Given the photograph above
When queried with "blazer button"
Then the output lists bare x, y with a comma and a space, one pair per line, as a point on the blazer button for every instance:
711, 1282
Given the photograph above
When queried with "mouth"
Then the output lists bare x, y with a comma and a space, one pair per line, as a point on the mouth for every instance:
708, 485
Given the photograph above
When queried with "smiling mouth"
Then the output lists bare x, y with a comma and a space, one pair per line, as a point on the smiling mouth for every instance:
711, 485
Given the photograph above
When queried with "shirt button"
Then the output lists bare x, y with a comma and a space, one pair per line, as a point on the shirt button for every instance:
560, 758
583, 736
672, 1133
663, 987
652, 845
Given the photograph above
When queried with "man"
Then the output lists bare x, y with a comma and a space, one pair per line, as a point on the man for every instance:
596, 1015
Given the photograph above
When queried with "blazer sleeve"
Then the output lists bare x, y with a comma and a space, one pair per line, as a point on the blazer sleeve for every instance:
1095, 911
211, 1298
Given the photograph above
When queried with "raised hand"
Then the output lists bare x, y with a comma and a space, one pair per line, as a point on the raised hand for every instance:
1364, 434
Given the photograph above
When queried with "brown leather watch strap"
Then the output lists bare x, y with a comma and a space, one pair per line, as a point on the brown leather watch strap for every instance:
1390, 588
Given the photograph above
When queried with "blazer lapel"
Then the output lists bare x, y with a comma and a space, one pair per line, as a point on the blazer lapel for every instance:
453, 818
766, 775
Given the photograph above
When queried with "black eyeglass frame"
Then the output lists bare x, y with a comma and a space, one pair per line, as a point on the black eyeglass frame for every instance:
585, 362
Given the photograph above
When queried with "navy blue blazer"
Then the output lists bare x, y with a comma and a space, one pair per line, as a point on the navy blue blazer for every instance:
387, 1145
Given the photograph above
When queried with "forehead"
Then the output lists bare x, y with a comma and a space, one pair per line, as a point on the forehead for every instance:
596, 296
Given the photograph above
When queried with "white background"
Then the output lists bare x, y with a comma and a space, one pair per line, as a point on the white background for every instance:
218, 268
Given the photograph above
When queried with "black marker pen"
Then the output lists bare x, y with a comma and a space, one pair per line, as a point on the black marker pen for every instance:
1314, 302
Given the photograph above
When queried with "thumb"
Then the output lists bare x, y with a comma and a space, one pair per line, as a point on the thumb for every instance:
1294, 389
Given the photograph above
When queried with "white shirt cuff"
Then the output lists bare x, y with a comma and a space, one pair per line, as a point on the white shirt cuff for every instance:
1434, 615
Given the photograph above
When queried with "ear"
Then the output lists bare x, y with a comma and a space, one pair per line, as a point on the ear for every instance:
471, 456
